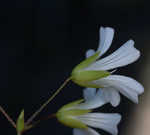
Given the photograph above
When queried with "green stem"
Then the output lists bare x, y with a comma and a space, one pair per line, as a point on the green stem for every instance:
47, 102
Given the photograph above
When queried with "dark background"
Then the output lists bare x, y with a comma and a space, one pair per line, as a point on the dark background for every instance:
40, 43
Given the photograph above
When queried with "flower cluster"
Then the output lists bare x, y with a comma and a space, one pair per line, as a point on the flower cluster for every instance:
102, 86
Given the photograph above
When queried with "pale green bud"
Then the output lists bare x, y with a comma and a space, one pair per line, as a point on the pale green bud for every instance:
20, 126
83, 77
67, 115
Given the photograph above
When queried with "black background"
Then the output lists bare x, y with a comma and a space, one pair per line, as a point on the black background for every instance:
40, 43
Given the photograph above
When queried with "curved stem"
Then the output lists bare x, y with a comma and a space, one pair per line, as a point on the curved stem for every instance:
8, 117
47, 102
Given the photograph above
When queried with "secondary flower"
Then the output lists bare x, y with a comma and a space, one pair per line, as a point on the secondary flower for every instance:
78, 115
95, 73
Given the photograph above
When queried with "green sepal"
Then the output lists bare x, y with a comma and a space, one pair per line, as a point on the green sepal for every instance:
86, 63
20, 126
83, 77
91, 75
67, 115
70, 121
68, 118
77, 112
74, 103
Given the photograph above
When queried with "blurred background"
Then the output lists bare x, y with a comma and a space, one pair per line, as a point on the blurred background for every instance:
40, 43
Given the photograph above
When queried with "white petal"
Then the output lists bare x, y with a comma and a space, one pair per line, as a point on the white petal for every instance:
89, 93
89, 53
106, 37
111, 95
92, 98
88, 131
127, 86
107, 122
125, 55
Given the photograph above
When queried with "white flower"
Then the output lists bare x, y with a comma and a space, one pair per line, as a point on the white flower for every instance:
109, 84
78, 115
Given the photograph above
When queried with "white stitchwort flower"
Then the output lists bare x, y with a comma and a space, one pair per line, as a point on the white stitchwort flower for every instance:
78, 115
95, 73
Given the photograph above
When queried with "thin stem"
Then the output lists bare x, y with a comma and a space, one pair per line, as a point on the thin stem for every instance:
47, 102
8, 117
39, 121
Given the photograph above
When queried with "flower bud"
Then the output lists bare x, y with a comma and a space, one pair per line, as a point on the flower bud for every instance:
20, 122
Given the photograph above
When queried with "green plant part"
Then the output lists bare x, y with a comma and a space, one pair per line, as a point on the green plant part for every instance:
67, 115
83, 77
20, 125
